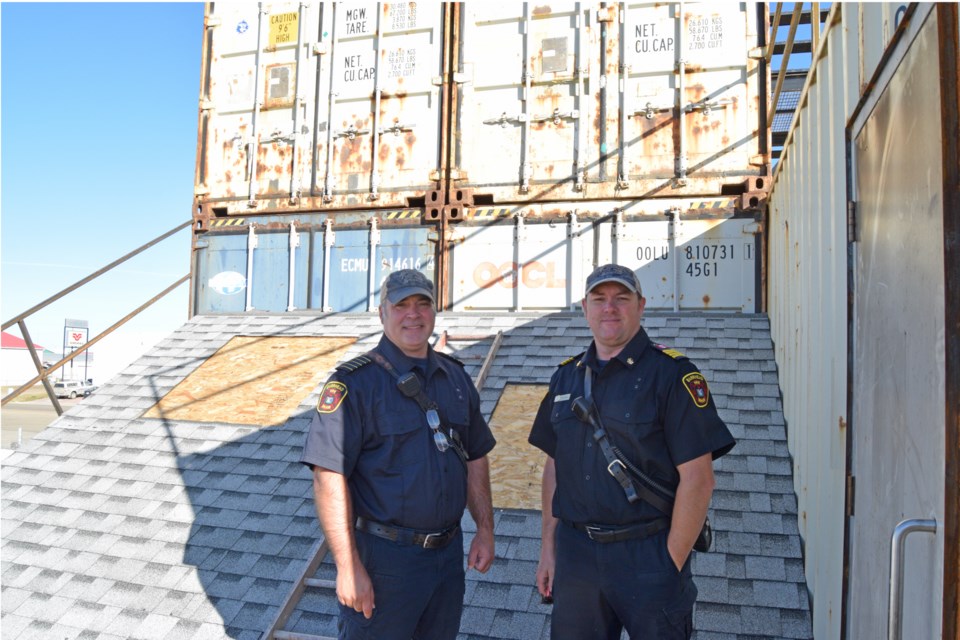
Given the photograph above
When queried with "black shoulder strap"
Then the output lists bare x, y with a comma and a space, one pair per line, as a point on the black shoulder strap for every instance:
617, 465
422, 399
426, 404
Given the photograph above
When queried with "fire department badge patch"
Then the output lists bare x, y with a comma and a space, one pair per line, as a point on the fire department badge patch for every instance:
332, 395
696, 385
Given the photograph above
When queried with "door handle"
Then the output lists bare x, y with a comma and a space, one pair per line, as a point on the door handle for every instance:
897, 543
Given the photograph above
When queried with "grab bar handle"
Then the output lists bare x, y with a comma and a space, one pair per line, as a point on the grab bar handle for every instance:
897, 542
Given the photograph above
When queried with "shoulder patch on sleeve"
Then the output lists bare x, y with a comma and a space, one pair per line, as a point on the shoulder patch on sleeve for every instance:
352, 365
696, 386
449, 357
331, 396
673, 353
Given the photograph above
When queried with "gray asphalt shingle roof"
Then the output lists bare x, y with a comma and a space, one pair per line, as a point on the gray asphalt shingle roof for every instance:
118, 526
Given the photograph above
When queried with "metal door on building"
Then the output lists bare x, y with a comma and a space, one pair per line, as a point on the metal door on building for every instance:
898, 382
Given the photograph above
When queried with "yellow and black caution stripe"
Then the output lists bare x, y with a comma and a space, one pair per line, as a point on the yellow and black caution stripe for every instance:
724, 203
403, 214
227, 222
489, 213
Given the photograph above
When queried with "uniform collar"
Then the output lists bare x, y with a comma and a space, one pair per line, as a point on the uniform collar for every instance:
629, 356
401, 362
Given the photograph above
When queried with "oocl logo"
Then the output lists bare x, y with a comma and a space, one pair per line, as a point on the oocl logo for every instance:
533, 275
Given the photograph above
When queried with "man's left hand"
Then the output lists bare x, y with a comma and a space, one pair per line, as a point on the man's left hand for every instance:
481, 551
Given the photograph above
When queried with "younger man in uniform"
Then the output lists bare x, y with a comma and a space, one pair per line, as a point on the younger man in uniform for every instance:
607, 561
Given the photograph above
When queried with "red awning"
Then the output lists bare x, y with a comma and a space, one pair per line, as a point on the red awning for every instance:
10, 341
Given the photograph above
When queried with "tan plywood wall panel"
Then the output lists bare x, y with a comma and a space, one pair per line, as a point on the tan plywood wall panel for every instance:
516, 466
253, 380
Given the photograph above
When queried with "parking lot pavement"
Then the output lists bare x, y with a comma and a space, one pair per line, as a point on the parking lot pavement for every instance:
20, 421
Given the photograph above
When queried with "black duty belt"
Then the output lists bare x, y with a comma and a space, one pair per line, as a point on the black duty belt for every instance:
604, 533
408, 536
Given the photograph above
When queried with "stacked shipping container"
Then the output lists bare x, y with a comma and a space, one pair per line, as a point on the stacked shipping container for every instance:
502, 148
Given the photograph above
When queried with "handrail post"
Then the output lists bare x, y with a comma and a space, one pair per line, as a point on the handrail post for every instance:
897, 543
39, 365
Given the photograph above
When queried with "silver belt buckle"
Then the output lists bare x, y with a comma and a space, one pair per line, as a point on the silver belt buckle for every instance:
592, 530
426, 539
614, 463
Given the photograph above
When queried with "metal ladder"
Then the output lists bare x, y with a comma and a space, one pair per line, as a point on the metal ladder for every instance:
306, 580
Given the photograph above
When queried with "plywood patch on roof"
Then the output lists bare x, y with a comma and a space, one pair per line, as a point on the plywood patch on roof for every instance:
516, 466
253, 380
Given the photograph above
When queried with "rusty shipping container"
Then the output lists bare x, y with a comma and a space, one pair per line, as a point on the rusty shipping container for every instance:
503, 148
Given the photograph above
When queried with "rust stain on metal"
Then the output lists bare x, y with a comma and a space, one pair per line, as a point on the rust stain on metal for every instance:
346, 152
696, 92
542, 10
706, 300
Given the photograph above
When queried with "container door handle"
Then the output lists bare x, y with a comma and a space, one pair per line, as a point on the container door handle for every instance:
556, 117
897, 543
350, 132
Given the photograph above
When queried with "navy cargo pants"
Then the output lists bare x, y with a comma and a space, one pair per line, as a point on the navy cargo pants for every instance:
601, 588
418, 592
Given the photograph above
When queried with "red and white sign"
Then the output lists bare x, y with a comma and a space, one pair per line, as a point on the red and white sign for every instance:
75, 337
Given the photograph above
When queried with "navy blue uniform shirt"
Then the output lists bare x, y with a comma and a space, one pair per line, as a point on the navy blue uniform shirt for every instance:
365, 429
657, 410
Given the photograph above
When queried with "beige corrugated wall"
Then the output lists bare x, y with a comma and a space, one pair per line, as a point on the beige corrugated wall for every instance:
807, 290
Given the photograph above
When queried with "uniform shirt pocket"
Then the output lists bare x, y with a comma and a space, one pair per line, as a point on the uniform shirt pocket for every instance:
398, 429
457, 417
562, 412
630, 420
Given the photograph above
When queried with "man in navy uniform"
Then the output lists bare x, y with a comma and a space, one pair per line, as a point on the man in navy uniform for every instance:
398, 448
610, 559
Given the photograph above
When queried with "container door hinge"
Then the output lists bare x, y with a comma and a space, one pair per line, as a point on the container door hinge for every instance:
756, 53
851, 492
213, 21
458, 78
606, 14
207, 105
852, 235
455, 174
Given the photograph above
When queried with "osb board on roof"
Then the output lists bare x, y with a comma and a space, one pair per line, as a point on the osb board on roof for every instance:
253, 380
516, 466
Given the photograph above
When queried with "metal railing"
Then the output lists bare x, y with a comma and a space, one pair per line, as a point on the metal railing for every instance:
43, 373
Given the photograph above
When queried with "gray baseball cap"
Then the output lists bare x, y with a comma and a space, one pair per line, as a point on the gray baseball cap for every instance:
614, 273
405, 283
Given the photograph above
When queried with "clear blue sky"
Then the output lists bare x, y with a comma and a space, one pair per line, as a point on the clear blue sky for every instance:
98, 129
